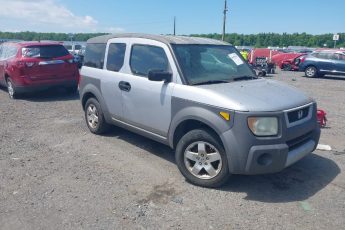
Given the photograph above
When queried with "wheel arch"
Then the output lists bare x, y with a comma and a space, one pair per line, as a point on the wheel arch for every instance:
189, 125
91, 91
196, 117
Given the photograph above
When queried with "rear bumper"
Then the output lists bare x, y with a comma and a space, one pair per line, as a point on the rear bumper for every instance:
45, 86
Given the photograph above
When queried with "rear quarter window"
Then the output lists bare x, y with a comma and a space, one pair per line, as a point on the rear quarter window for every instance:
94, 55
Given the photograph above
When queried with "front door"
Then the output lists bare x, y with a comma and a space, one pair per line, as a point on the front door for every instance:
147, 104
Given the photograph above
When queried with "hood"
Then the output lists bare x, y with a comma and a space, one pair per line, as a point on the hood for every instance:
256, 95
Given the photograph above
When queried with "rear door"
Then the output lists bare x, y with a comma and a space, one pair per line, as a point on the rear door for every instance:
112, 75
2, 69
339, 63
325, 62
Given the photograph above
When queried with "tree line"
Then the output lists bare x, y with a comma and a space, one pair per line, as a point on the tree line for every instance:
256, 40
281, 40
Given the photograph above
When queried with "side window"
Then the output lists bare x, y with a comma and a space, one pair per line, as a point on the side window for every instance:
116, 56
316, 55
94, 55
325, 55
1, 52
339, 56
342, 57
11, 51
8, 51
145, 58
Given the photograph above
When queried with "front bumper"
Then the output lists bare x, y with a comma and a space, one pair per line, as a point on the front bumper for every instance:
248, 154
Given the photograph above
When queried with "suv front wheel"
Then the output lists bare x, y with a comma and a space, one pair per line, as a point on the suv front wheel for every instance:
94, 117
201, 159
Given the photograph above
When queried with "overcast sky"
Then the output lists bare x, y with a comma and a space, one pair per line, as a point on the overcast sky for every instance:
156, 16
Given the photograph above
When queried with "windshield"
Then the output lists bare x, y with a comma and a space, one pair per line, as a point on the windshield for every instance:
211, 63
48, 51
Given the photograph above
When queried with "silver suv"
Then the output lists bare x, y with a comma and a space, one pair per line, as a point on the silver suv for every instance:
202, 99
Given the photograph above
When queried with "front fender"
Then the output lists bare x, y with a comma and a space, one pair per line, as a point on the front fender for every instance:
206, 114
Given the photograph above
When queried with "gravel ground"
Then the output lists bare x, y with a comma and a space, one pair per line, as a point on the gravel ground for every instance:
55, 174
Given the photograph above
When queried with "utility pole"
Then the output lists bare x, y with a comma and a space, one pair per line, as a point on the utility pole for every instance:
224, 19
174, 25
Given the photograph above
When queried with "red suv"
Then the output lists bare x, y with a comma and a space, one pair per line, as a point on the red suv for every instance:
31, 66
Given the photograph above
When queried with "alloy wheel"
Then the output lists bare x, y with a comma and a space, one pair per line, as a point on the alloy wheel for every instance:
10, 89
203, 160
92, 116
310, 72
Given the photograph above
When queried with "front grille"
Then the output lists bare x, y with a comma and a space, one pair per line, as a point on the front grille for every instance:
298, 141
298, 114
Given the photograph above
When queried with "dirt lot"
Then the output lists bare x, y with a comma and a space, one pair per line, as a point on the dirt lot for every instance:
54, 174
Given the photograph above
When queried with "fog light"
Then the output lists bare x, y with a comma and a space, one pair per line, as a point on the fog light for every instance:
265, 159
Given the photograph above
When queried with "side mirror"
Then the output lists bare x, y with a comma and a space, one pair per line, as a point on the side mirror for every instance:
159, 75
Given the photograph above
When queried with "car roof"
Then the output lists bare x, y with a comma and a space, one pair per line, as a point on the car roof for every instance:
334, 51
167, 39
34, 43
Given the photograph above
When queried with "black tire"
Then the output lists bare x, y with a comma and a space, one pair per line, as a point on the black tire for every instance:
11, 89
101, 125
311, 72
286, 67
202, 161
72, 89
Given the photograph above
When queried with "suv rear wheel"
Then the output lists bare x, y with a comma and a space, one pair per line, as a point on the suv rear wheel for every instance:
94, 117
201, 159
11, 89
310, 71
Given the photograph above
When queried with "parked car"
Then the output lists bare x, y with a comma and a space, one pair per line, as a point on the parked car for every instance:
261, 60
199, 97
322, 62
31, 66
287, 61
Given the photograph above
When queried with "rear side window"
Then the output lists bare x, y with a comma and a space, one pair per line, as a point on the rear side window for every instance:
325, 55
116, 56
145, 58
50, 51
0, 52
8, 51
94, 55
68, 47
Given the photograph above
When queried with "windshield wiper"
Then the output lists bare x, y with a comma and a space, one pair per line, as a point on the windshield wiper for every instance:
242, 78
210, 82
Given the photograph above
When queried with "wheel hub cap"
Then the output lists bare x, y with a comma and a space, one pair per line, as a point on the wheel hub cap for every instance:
203, 160
92, 116
10, 89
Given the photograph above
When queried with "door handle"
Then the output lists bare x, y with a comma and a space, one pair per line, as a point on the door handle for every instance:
124, 86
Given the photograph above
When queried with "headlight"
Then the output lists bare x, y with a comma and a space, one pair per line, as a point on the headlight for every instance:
263, 126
